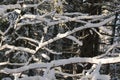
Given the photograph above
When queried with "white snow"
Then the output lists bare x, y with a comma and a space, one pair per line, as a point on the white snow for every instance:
6, 78
45, 56
75, 40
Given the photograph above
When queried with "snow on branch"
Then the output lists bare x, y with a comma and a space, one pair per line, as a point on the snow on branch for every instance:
3, 8
103, 28
26, 22
75, 13
75, 39
64, 19
31, 16
57, 63
17, 48
33, 78
51, 51
8, 63
108, 50
34, 5
36, 41
1, 32
44, 13
59, 18
96, 74
88, 25
3, 63
29, 39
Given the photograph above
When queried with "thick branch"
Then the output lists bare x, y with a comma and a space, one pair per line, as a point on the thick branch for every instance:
63, 62
33, 78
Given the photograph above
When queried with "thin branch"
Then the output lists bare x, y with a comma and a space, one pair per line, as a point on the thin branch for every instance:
1, 32
89, 25
29, 39
106, 53
25, 23
34, 5
51, 51
97, 32
75, 40
17, 48
31, 16
7, 30
65, 19
75, 13
8, 63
